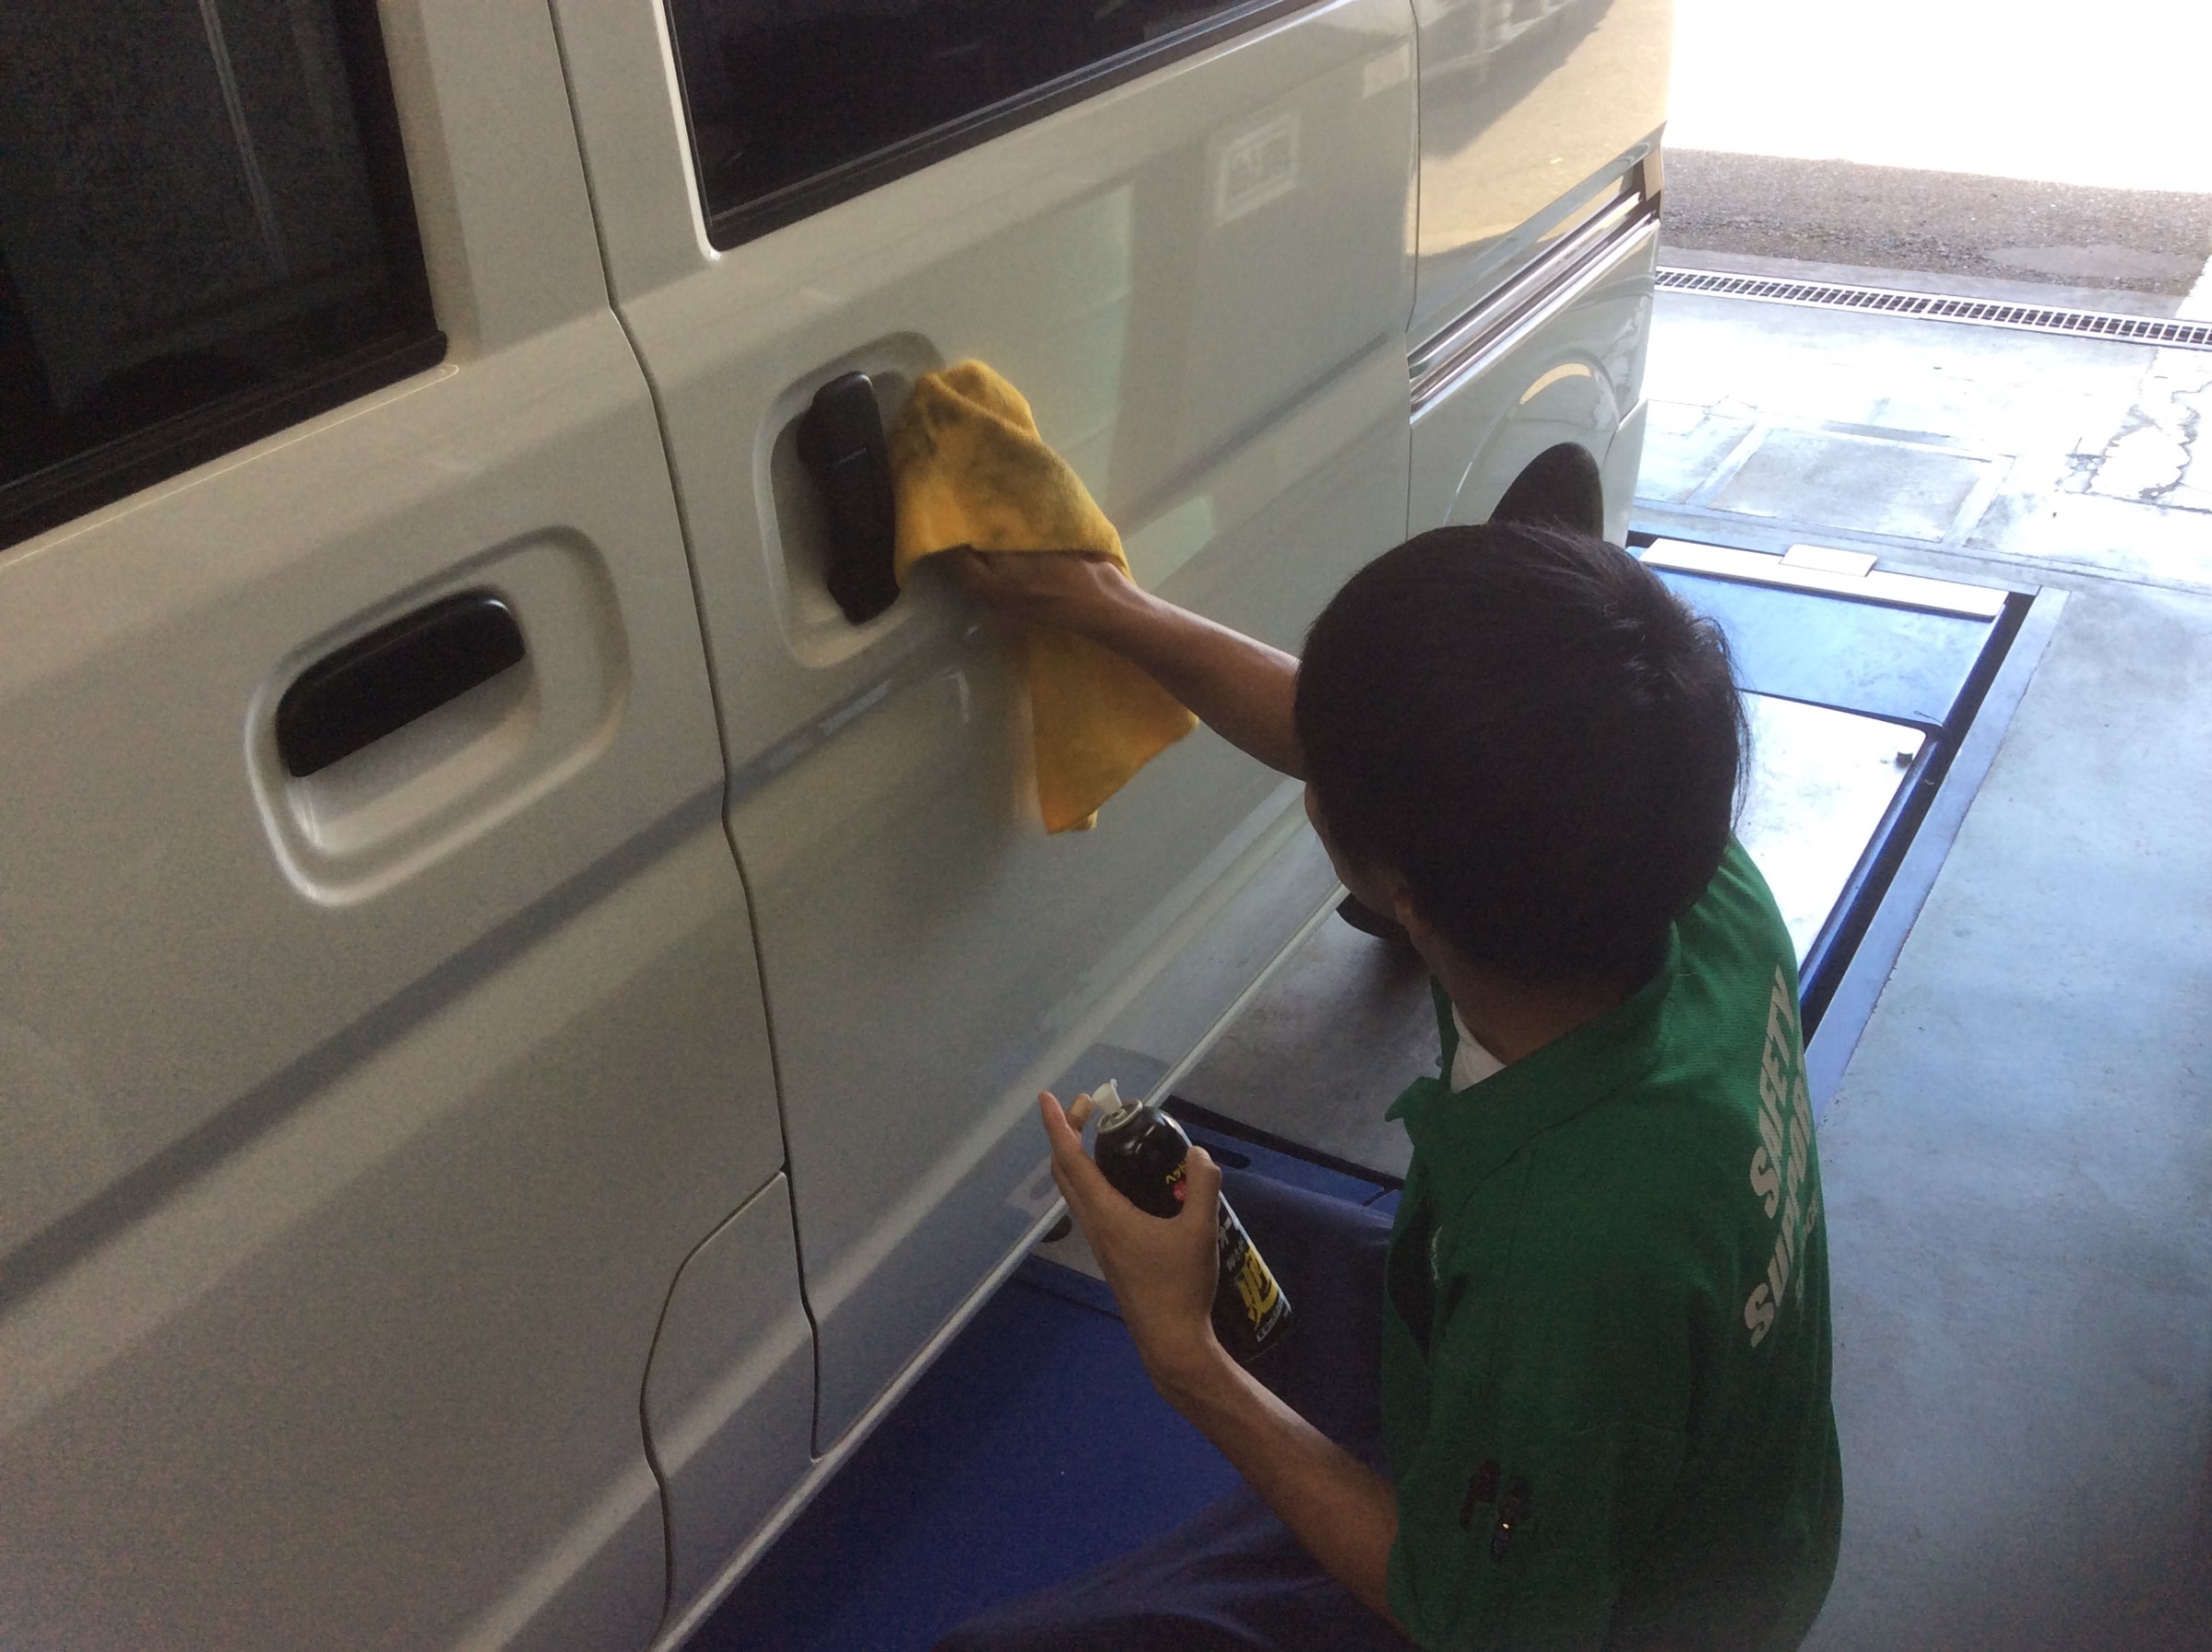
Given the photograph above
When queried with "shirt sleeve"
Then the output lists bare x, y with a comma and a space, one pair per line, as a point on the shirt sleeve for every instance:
1545, 1464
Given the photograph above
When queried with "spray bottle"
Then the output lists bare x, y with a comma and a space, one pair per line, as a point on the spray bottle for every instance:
1141, 1151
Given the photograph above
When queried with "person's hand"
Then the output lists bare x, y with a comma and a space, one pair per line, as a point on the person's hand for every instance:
1072, 590
1161, 1269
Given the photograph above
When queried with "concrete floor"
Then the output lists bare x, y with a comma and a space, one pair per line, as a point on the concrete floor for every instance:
2018, 1162
2037, 139
1949, 223
2109, 95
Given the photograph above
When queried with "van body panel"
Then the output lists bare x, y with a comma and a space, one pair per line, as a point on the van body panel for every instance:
1624, 463
932, 957
397, 1334
1570, 382
357, 1121
470, 1193
1528, 106
729, 1395
1253, 918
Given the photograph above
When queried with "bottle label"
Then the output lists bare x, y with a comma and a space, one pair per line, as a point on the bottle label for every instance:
1256, 1291
1143, 1157
1256, 1287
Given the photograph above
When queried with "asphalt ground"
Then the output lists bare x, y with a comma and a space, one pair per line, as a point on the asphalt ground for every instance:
2111, 96
1942, 223
2017, 141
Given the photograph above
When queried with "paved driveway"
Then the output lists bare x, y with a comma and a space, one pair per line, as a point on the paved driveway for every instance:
2029, 140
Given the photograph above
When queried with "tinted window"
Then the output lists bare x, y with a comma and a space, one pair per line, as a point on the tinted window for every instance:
204, 233
796, 103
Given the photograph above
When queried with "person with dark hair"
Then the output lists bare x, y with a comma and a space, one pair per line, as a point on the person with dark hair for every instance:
1577, 1394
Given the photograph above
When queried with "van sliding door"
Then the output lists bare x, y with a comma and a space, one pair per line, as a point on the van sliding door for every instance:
1181, 231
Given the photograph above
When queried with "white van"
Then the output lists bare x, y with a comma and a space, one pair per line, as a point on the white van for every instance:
518, 1020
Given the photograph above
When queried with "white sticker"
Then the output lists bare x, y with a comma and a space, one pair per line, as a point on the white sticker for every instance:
1393, 68
1259, 166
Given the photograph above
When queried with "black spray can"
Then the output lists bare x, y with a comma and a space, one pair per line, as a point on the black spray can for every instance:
1142, 1151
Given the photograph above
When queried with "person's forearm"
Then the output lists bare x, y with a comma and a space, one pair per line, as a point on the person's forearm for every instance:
1237, 686
1344, 1513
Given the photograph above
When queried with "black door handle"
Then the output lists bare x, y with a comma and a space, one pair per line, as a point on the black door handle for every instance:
841, 443
397, 674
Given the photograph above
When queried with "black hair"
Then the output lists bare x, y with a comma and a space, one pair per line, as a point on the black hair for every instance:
1524, 723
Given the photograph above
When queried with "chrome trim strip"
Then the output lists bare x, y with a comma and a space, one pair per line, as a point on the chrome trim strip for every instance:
1539, 270
1508, 315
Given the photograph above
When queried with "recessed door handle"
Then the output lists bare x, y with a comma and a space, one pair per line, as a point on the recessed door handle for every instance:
382, 682
841, 443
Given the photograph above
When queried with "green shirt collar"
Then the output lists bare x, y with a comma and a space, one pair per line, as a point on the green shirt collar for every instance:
1477, 1129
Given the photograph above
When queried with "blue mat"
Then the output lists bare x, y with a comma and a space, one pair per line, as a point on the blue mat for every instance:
1033, 1449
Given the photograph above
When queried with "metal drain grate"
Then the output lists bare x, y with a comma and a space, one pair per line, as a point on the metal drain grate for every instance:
1979, 312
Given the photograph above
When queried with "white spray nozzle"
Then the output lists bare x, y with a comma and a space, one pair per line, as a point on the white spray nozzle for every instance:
1106, 1104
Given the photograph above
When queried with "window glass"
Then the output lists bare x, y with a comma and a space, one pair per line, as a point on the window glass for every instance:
788, 99
204, 233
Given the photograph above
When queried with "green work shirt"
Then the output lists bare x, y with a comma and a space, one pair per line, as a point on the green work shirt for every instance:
1606, 1351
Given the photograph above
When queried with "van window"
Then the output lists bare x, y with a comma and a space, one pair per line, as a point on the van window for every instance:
795, 106
205, 234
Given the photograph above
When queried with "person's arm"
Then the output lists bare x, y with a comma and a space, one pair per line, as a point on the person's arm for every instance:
1163, 1273
1343, 1512
1237, 686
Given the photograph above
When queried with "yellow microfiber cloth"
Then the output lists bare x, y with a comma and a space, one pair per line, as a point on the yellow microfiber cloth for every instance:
968, 468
